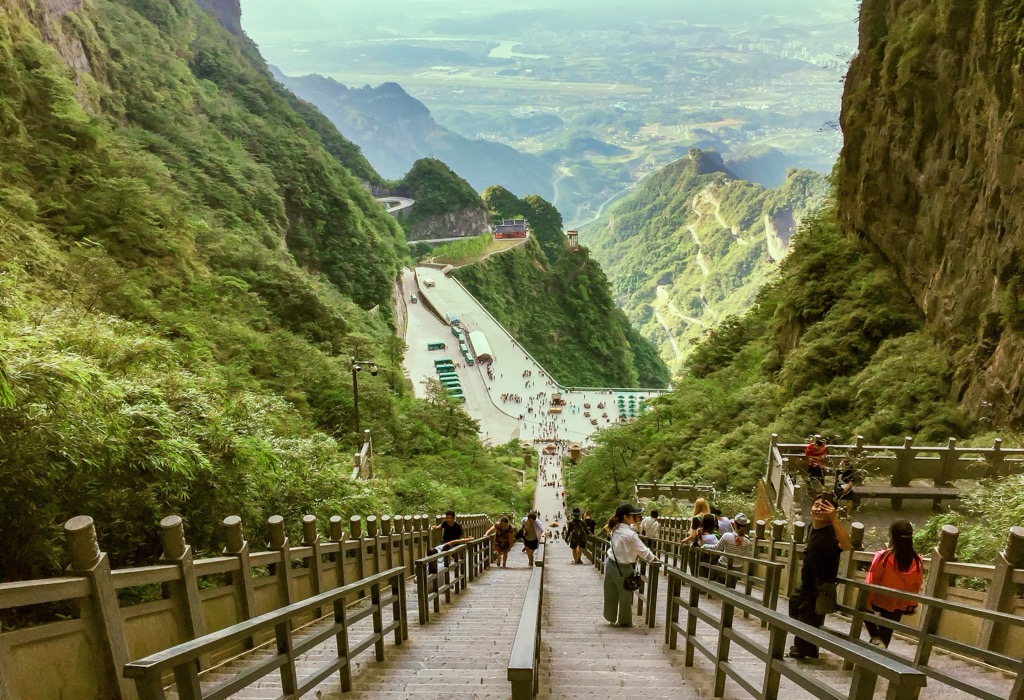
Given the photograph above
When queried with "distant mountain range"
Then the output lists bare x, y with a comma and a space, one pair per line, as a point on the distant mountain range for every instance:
695, 243
394, 130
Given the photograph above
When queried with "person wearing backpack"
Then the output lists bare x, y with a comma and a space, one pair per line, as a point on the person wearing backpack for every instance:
899, 567
576, 536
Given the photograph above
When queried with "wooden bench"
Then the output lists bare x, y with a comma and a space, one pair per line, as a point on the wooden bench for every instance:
897, 494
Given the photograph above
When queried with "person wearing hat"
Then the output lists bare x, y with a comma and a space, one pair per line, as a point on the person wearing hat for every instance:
625, 549
576, 535
738, 537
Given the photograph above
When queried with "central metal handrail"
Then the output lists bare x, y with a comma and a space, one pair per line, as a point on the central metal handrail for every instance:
182, 659
524, 661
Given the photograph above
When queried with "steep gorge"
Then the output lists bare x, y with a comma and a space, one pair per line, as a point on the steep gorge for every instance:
932, 173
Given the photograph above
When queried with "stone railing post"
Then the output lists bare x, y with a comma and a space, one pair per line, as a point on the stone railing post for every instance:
185, 591
311, 538
778, 532
374, 544
283, 571
237, 546
100, 611
398, 525
848, 562
1002, 592
947, 464
419, 548
904, 458
935, 586
355, 535
388, 540
337, 536
795, 555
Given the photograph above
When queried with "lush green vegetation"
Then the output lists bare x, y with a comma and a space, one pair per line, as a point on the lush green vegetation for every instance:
832, 346
557, 303
187, 267
436, 189
693, 246
461, 252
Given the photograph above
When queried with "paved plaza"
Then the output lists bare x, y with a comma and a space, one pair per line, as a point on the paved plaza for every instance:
514, 404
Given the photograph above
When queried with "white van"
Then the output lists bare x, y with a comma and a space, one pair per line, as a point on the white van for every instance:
413, 298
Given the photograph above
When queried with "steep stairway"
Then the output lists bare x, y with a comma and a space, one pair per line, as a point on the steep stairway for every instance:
582, 656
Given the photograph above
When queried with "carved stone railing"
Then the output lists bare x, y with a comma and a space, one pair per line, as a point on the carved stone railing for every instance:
1003, 581
898, 465
195, 596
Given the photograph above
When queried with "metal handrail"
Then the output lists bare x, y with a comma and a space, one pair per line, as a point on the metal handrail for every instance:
524, 661
928, 638
466, 560
868, 663
182, 659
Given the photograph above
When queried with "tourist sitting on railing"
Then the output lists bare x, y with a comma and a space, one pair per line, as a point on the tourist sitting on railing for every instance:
816, 596
700, 509
815, 455
898, 567
625, 549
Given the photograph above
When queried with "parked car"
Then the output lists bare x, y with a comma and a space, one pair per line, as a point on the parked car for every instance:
413, 298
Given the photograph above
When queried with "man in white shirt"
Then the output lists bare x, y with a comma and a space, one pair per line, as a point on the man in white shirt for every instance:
650, 527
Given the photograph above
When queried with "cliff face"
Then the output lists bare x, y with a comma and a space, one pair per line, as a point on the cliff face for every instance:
227, 12
465, 222
932, 173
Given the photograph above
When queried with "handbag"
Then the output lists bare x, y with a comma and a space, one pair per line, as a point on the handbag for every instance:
631, 582
827, 600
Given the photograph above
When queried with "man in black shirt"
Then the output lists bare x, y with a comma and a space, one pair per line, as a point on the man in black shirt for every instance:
450, 530
826, 541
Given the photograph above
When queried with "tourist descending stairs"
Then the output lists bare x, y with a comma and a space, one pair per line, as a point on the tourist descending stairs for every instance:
582, 656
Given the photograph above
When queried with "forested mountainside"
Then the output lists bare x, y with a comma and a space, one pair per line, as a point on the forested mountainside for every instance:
395, 129
446, 205
833, 345
187, 264
898, 311
694, 244
558, 304
932, 173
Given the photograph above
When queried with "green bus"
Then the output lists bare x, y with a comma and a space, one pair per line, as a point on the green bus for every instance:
444, 367
458, 396
448, 377
436, 345
444, 361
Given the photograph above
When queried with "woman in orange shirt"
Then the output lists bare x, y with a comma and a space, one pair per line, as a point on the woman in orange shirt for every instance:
898, 567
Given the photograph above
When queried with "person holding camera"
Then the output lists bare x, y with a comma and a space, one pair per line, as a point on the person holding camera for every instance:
620, 579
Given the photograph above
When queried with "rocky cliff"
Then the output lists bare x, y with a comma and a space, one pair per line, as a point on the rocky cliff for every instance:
932, 173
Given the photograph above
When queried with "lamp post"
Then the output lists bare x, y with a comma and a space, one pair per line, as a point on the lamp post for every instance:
357, 367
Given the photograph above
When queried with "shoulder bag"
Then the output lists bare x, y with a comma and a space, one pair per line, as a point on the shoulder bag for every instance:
629, 583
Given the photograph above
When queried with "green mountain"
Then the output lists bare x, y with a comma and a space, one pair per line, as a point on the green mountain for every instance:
395, 129
558, 304
188, 262
694, 244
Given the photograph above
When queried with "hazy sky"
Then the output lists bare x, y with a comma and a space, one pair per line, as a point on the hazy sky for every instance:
318, 20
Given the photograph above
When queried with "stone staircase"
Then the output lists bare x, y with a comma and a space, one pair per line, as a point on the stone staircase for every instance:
463, 652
